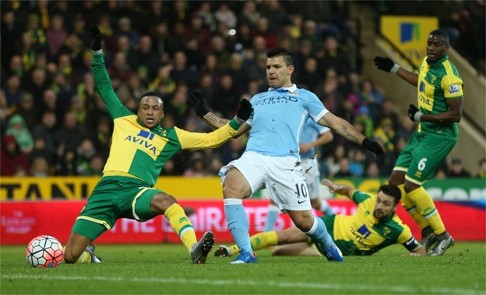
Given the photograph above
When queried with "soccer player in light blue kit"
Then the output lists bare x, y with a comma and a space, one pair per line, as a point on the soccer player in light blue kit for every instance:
312, 136
271, 159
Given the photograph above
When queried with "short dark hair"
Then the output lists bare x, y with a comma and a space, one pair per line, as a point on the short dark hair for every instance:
151, 93
281, 52
441, 33
391, 190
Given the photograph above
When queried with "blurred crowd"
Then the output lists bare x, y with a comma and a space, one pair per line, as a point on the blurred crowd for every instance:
53, 123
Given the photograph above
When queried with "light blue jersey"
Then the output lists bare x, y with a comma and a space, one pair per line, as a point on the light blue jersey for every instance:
277, 120
310, 132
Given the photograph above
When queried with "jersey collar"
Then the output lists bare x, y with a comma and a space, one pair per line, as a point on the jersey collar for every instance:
156, 129
439, 61
291, 88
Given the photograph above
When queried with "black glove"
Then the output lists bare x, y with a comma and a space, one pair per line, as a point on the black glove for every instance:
374, 147
414, 114
245, 110
94, 33
198, 102
385, 64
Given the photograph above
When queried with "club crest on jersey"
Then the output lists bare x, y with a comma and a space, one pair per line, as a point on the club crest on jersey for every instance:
144, 141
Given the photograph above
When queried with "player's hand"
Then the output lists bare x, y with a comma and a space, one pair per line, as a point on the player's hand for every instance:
198, 102
373, 146
245, 110
329, 184
414, 114
94, 33
304, 147
385, 64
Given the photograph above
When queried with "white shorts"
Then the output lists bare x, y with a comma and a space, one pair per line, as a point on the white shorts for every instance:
310, 167
281, 176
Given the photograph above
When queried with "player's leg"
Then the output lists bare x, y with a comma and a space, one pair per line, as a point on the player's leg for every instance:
240, 179
266, 239
79, 250
298, 249
96, 217
397, 178
312, 179
150, 203
235, 189
315, 228
289, 191
427, 157
272, 216
323, 206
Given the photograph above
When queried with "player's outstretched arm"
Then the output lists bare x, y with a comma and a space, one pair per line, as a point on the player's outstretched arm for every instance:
388, 65
345, 129
101, 77
341, 189
198, 102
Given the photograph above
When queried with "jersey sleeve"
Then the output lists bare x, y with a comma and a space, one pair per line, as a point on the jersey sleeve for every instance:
199, 140
359, 197
452, 86
104, 87
407, 239
316, 108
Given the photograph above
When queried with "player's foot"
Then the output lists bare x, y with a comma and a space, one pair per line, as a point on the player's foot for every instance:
443, 242
222, 251
428, 241
428, 237
200, 251
91, 250
245, 258
334, 254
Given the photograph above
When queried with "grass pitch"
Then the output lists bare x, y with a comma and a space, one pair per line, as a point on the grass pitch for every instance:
166, 269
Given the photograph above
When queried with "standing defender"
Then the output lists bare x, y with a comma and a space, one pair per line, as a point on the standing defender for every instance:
440, 96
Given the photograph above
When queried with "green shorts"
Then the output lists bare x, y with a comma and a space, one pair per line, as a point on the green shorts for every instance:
114, 197
422, 155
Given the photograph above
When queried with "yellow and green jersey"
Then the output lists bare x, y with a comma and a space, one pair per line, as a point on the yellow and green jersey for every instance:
438, 82
139, 152
363, 234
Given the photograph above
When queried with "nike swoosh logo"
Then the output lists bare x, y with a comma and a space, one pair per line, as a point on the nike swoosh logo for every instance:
300, 202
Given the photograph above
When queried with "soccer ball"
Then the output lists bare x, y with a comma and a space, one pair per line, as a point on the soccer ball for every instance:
44, 251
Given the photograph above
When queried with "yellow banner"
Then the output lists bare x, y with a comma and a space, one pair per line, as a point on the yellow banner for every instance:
409, 34
78, 188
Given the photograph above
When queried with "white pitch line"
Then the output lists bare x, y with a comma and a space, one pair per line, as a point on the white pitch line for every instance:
323, 286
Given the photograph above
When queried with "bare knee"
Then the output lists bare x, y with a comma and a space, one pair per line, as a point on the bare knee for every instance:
235, 185
75, 247
161, 202
70, 256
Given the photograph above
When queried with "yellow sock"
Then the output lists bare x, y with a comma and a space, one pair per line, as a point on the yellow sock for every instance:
427, 209
181, 225
412, 209
263, 240
258, 242
234, 249
84, 258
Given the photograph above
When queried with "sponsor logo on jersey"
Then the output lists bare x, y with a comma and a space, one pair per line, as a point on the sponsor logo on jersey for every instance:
364, 231
275, 99
144, 141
